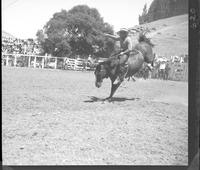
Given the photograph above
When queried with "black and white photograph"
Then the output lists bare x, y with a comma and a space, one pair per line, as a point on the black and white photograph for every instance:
95, 82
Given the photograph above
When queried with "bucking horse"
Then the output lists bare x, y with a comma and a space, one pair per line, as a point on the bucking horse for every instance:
109, 69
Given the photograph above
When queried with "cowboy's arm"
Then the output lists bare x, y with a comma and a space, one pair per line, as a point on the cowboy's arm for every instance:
116, 38
130, 47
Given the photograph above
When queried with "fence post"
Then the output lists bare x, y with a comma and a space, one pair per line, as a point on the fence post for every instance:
29, 61
35, 61
7, 60
15, 61
55, 62
42, 62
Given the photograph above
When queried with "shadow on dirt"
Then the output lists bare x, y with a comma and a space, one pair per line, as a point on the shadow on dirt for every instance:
114, 99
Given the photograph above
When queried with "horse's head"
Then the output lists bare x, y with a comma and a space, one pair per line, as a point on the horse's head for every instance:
100, 73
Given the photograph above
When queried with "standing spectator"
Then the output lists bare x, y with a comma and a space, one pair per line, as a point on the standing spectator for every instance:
162, 70
167, 70
186, 59
145, 71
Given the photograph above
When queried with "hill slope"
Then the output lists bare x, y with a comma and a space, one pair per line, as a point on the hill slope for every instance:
160, 9
169, 35
7, 35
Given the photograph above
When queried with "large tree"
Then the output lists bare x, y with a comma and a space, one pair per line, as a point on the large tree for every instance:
77, 31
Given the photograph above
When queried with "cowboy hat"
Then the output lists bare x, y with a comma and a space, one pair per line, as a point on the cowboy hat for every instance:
123, 30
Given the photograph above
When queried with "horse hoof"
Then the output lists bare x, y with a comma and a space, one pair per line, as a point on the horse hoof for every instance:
109, 99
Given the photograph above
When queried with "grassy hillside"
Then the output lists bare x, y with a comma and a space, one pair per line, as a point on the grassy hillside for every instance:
7, 35
169, 35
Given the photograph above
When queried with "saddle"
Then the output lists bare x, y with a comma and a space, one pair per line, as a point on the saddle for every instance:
133, 52
116, 61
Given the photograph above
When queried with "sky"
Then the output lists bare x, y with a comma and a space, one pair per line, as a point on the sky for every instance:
23, 18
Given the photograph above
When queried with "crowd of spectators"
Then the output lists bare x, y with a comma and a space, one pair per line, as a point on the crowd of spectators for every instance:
19, 46
162, 67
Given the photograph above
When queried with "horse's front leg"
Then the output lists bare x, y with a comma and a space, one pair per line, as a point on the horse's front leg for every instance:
133, 78
114, 87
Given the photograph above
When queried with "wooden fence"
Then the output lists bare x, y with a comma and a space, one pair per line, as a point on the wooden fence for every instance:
36, 61
178, 71
29, 60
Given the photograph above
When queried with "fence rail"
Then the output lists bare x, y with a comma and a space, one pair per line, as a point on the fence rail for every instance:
37, 61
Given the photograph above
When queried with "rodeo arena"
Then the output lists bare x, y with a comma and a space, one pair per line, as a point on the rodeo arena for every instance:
70, 110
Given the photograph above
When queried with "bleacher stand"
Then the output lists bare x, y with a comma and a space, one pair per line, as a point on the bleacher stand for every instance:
18, 46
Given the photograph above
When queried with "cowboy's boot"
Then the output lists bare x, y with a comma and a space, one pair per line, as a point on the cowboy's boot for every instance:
122, 74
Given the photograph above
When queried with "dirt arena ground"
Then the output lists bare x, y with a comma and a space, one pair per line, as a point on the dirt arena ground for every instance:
56, 117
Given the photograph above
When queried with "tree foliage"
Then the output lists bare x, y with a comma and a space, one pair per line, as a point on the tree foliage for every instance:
143, 17
162, 9
78, 32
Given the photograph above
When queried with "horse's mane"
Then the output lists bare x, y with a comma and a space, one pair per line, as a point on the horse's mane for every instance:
143, 38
